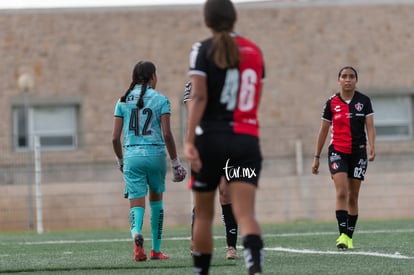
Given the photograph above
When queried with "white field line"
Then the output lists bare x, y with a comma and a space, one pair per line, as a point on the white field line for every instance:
335, 233
396, 255
217, 237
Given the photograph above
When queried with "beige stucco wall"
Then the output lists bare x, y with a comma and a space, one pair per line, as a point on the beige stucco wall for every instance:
87, 55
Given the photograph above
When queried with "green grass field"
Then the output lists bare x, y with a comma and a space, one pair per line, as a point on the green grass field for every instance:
381, 247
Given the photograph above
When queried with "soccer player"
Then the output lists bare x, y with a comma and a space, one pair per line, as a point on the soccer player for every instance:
226, 73
143, 114
230, 224
347, 113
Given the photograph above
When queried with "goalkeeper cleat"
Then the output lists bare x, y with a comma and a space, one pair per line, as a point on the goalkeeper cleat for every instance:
139, 252
231, 253
158, 255
342, 242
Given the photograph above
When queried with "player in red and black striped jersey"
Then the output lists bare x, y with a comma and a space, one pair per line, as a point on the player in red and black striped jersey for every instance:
347, 114
226, 73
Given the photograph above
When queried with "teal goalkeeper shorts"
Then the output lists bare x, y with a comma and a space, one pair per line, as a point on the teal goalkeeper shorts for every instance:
142, 173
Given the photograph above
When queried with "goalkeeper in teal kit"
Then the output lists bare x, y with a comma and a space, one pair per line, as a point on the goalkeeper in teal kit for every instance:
142, 115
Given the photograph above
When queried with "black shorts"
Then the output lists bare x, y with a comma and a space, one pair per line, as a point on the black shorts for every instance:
354, 164
234, 156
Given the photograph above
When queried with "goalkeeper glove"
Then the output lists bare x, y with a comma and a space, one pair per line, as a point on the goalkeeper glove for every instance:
178, 170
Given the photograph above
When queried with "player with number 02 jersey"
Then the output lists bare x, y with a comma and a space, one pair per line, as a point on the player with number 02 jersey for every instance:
347, 114
227, 71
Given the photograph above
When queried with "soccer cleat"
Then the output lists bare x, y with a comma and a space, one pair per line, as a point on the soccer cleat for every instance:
342, 242
139, 252
231, 253
158, 255
349, 242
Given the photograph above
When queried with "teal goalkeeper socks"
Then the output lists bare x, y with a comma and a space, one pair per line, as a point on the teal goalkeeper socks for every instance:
136, 217
157, 221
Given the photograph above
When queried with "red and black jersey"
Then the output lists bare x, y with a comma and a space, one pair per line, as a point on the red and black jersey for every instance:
347, 121
233, 94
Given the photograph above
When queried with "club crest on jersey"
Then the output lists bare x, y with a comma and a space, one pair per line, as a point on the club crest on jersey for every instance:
359, 106
130, 98
335, 166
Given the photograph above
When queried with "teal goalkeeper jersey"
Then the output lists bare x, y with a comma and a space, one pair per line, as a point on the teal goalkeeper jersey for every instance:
142, 128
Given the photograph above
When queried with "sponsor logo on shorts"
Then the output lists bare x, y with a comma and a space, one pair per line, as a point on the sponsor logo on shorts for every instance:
362, 162
334, 157
199, 184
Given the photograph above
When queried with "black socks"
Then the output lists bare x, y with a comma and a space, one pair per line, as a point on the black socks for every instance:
201, 263
230, 225
342, 219
253, 253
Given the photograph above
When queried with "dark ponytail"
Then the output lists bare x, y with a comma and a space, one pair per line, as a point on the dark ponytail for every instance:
131, 87
143, 72
220, 16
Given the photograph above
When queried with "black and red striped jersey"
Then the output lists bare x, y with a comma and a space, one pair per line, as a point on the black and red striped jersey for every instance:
347, 121
233, 94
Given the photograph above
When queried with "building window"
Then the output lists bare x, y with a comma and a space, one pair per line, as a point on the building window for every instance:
56, 127
393, 117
